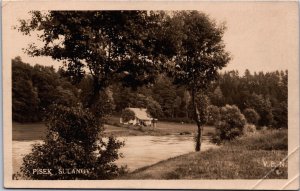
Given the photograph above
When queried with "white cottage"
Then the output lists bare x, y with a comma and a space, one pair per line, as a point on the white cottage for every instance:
141, 117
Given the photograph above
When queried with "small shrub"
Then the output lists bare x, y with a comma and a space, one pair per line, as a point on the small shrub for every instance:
185, 133
123, 170
264, 128
140, 128
213, 115
116, 124
127, 115
216, 139
231, 123
251, 116
249, 128
280, 112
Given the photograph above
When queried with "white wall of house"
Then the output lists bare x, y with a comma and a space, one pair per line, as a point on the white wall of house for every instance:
148, 123
133, 122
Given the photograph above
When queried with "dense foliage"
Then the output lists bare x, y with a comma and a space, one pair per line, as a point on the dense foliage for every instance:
72, 145
213, 115
266, 93
35, 88
249, 128
200, 54
127, 115
263, 93
162, 99
231, 123
251, 116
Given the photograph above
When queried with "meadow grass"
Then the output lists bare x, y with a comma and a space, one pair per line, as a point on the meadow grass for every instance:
162, 128
256, 156
28, 131
35, 131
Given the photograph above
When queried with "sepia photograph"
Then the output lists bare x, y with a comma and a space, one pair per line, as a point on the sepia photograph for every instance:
151, 95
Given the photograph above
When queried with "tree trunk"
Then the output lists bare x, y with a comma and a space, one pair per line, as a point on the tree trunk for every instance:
198, 138
95, 95
198, 122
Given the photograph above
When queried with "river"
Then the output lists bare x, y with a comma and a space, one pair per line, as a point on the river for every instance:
138, 151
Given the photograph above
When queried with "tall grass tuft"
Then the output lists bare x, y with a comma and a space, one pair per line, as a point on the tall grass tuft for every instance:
264, 140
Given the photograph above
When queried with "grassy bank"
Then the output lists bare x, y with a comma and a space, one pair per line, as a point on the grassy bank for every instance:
162, 129
28, 131
34, 131
250, 157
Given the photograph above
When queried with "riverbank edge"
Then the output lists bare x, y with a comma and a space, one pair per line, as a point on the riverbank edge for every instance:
34, 131
255, 156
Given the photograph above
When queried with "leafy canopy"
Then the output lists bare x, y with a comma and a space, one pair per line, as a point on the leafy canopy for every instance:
108, 44
200, 51
73, 142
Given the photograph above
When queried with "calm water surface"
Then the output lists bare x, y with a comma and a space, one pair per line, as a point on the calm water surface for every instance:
138, 151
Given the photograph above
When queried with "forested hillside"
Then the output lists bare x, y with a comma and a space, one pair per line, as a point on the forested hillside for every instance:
35, 88
266, 93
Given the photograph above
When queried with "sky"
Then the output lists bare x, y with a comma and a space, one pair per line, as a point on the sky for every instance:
260, 36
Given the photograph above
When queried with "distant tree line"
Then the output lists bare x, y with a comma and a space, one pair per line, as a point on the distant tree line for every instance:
35, 88
260, 96
266, 93
162, 99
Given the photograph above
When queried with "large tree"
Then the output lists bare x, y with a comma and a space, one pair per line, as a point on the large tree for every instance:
200, 53
107, 45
